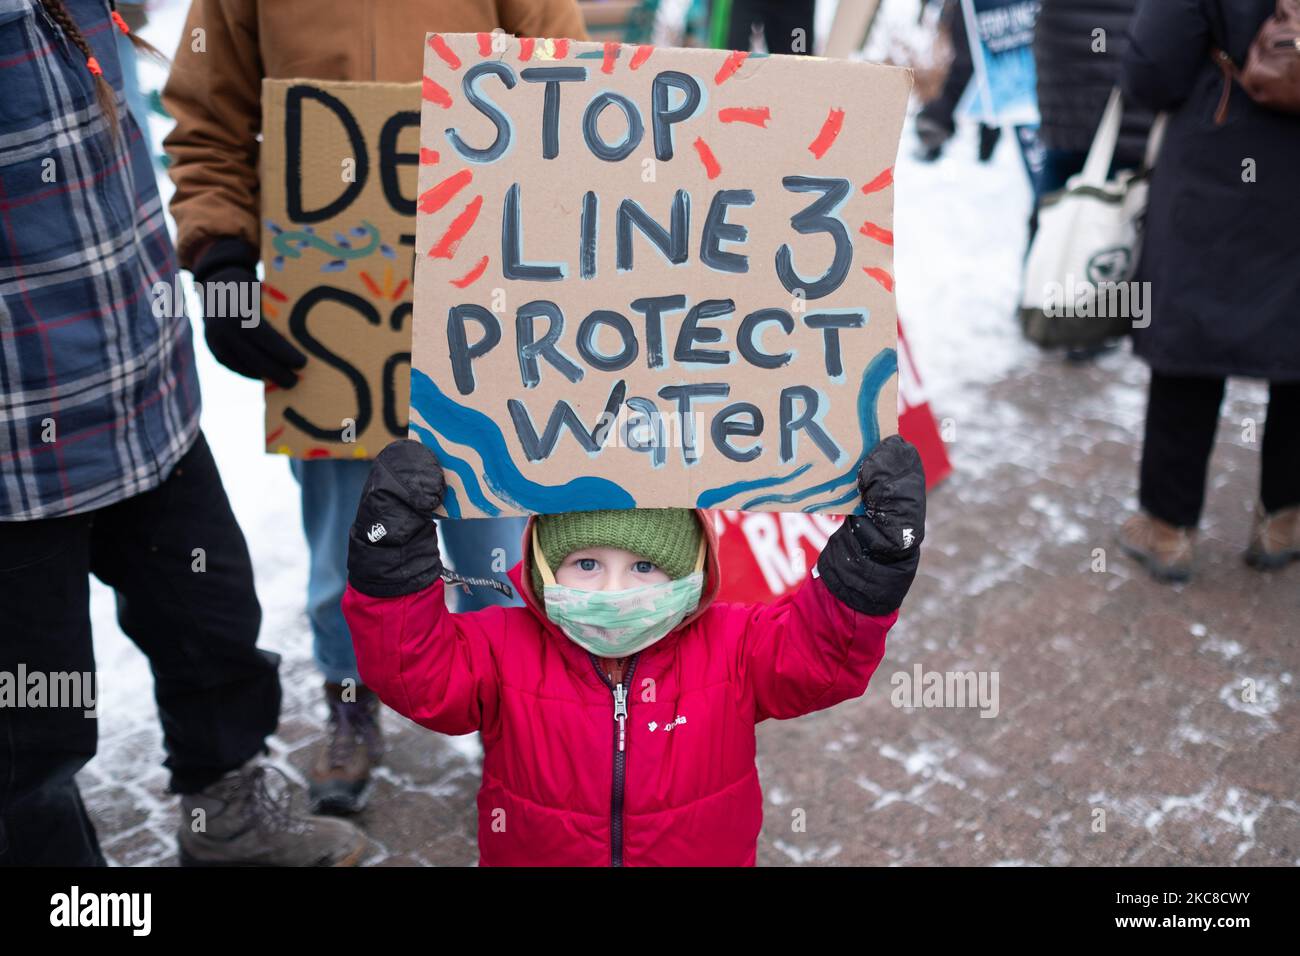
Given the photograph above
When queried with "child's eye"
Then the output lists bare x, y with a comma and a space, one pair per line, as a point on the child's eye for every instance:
587, 564
643, 567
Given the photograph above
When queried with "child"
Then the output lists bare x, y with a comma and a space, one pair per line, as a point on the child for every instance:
617, 709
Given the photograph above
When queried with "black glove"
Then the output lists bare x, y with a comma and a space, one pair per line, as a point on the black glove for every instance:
257, 351
393, 544
870, 561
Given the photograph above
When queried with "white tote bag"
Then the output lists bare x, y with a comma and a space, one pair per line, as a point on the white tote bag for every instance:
1076, 282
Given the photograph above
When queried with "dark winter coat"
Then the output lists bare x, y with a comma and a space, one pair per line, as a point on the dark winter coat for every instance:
1074, 82
1222, 246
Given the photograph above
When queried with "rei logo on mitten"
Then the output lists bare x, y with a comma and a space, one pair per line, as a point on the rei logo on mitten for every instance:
376, 532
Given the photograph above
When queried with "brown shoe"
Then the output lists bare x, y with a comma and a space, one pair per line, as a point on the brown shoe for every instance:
340, 779
247, 819
1275, 539
1164, 550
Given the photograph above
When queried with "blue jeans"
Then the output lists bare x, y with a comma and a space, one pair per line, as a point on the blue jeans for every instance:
331, 491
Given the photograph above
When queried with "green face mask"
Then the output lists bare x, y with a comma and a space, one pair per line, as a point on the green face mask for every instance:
619, 623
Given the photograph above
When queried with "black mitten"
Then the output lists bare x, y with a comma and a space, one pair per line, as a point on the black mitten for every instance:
393, 544
257, 351
870, 561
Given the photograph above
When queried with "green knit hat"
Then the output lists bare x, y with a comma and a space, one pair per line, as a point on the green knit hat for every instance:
670, 537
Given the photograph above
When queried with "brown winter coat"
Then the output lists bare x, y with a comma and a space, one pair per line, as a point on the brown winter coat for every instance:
215, 86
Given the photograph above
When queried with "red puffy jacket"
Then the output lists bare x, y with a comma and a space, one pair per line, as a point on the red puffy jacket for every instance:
561, 785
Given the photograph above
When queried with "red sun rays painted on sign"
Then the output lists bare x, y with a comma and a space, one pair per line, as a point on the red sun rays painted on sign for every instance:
469, 278
729, 67
435, 94
434, 198
445, 53
753, 115
829, 131
711, 167
446, 247
871, 230
881, 276
880, 182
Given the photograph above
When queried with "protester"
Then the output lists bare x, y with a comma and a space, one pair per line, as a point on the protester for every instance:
935, 122
621, 603
104, 471
1078, 48
215, 94
1220, 253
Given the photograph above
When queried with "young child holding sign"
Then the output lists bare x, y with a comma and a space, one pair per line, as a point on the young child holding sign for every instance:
620, 620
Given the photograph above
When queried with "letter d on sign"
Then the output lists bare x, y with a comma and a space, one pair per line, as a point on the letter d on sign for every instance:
294, 99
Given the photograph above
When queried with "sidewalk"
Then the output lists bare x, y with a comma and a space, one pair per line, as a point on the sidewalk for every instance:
1115, 693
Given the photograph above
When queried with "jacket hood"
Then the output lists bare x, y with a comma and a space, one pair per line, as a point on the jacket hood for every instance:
521, 575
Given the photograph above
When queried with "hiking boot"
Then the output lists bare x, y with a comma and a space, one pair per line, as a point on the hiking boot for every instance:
1164, 550
1275, 539
246, 819
340, 779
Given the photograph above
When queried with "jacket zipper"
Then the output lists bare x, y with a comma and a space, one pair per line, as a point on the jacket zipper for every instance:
620, 754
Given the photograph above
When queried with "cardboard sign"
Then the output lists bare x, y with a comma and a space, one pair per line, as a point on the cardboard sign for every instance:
338, 239
765, 556
653, 277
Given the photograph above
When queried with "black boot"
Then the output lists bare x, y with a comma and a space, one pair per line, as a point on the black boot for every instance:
340, 779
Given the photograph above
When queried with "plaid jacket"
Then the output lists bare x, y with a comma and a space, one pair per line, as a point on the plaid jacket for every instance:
99, 397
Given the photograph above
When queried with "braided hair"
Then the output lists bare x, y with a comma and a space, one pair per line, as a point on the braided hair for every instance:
104, 93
